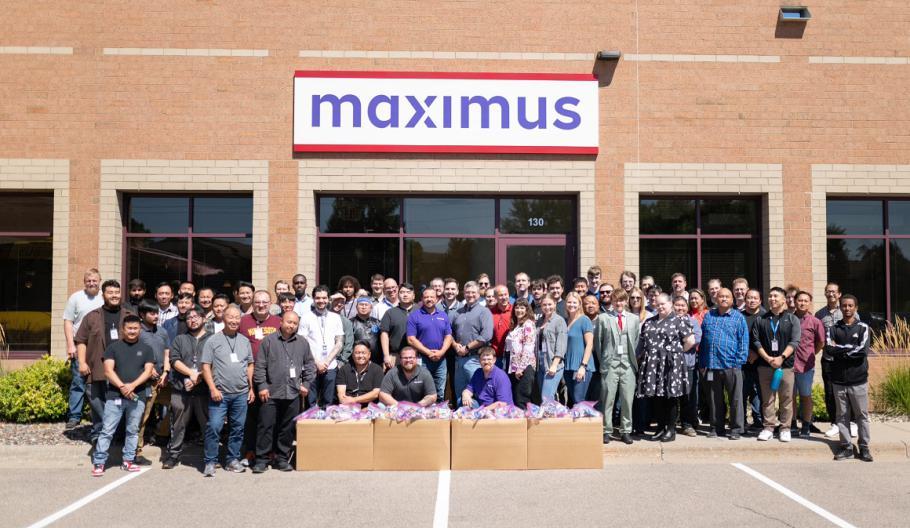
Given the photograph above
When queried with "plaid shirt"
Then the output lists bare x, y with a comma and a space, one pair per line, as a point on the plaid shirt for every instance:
724, 340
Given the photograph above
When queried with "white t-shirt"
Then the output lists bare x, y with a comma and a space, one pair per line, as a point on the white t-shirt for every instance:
78, 305
320, 332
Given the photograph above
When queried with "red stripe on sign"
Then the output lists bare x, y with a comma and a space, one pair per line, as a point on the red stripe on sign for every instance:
476, 149
447, 75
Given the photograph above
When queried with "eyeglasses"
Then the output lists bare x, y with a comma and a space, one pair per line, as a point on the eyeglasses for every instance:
606, 292
635, 298
483, 283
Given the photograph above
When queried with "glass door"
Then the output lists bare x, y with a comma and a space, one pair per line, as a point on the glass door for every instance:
537, 256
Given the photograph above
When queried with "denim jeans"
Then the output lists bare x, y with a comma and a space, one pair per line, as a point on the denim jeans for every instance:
234, 407
438, 371
577, 390
752, 394
549, 384
464, 369
95, 392
77, 392
322, 390
113, 411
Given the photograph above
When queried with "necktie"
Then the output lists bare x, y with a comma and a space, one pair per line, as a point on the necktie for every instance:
620, 322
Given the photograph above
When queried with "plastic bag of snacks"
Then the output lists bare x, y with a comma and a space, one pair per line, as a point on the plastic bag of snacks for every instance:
548, 409
439, 411
313, 413
489, 412
344, 412
585, 409
375, 411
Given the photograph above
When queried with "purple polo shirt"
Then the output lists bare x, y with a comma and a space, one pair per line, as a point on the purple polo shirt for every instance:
430, 329
496, 388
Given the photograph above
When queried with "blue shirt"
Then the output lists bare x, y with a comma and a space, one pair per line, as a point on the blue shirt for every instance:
429, 328
724, 340
575, 344
496, 388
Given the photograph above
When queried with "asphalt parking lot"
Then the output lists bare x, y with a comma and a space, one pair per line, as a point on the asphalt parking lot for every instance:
702, 493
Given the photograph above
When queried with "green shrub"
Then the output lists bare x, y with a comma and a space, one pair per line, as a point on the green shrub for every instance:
818, 404
37, 393
892, 396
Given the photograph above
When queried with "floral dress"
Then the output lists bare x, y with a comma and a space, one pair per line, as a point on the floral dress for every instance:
521, 343
662, 367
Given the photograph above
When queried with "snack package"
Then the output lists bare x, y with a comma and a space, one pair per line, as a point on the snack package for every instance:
374, 411
548, 409
344, 412
313, 413
406, 412
439, 411
491, 412
585, 409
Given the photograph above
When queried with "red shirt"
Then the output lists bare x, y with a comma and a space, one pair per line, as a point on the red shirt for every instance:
256, 331
811, 335
502, 320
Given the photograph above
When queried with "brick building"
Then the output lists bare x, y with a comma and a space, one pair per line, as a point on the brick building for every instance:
157, 142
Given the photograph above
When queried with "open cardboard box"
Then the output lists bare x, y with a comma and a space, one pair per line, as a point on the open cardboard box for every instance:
564, 443
418, 445
490, 444
324, 445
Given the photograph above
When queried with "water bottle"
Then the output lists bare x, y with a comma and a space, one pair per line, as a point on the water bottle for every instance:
775, 381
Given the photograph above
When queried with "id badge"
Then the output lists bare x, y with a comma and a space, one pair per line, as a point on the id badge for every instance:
234, 358
621, 350
292, 372
117, 402
258, 334
774, 346
114, 334
709, 376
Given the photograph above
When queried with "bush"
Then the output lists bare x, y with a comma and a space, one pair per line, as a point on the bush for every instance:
818, 404
892, 396
37, 393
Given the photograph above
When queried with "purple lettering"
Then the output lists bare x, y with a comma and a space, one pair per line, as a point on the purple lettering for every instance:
574, 118
335, 102
541, 121
392, 103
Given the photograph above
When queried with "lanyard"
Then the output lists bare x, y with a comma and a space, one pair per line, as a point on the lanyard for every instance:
287, 354
231, 342
774, 326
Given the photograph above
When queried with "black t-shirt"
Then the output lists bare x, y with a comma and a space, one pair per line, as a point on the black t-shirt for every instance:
129, 363
111, 322
395, 323
359, 384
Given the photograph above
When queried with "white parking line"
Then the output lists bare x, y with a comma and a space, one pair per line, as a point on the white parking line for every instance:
87, 499
787, 492
441, 514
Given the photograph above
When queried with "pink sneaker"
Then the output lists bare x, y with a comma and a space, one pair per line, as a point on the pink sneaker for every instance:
130, 466
98, 470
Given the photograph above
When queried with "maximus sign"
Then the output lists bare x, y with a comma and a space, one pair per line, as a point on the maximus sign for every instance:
445, 112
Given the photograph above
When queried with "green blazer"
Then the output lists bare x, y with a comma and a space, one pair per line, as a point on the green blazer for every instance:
606, 338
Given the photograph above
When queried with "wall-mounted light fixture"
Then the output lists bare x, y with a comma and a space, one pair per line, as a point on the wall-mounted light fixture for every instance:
794, 14
609, 55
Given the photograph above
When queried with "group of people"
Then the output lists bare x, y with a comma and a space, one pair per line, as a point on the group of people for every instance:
643, 354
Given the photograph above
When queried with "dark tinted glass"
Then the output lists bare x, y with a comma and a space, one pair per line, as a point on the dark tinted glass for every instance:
536, 216
159, 214
472, 216
729, 216
855, 217
360, 257
461, 258
536, 261
26, 213
858, 266
25, 292
223, 214
729, 259
220, 263
359, 215
900, 278
899, 217
663, 258
155, 260
666, 217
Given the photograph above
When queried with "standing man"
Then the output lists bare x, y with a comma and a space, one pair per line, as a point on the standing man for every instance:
605, 297
219, 305
555, 288
829, 316
538, 292
187, 287
393, 326
522, 287
127, 366
616, 338
811, 342
646, 283
339, 305
502, 323
100, 327
389, 298
281, 286
324, 333
627, 281
472, 329
243, 297
365, 329
594, 277
449, 303
204, 298
227, 367
775, 336
678, 285
189, 394
714, 286
359, 381
156, 338
430, 333
136, 291
752, 311
847, 349
740, 287
283, 374
79, 304
376, 287
724, 349
164, 294
177, 325
580, 286
303, 301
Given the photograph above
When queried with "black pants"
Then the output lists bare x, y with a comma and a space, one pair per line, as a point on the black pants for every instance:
249, 428
642, 410
689, 402
184, 407
830, 406
729, 381
276, 414
523, 388
667, 410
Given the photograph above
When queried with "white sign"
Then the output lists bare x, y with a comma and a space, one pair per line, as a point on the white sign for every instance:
445, 112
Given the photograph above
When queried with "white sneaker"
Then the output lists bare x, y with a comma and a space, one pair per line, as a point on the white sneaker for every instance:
766, 435
853, 431
784, 435
832, 432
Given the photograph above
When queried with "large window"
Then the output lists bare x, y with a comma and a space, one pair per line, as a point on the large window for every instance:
701, 238
26, 229
422, 237
204, 238
869, 254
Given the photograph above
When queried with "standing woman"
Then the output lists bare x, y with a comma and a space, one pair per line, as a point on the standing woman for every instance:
579, 346
551, 348
521, 345
697, 304
590, 305
348, 287
662, 375
637, 304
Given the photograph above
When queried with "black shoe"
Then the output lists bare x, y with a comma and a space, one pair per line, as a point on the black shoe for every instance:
659, 435
626, 439
606, 438
865, 455
283, 465
142, 461
260, 467
712, 433
734, 436
638, 433
669, 436
169, 463
844, 453
70, 425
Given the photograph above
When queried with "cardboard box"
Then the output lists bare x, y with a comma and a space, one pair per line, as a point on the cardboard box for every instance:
489, 444
563, 443
324, 445
420, 445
